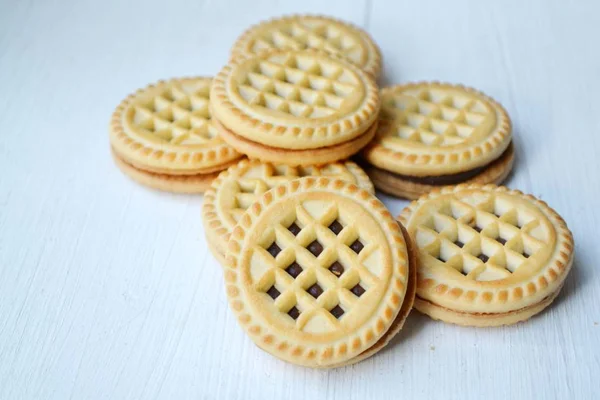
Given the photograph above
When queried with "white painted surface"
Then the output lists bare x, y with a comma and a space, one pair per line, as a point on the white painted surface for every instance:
107, 290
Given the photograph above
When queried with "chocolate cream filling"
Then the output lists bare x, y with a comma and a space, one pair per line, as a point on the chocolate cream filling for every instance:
451, 179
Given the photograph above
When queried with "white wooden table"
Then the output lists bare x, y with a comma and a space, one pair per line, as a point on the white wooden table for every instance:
107, 289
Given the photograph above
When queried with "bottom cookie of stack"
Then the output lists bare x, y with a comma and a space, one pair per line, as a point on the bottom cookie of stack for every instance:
411, 187
198, 183
483, 319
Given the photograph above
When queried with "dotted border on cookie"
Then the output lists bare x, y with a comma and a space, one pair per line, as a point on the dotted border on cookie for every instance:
154, 155
372, 66
555, 271
213, 224
438, 156
351, 346
362, 117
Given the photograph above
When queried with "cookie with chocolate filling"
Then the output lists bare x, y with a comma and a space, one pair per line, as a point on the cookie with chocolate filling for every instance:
319, 273
434, 134
295, 107
488, 255
164, 137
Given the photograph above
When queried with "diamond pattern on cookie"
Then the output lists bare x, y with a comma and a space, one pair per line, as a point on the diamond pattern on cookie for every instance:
167, 128
176, 114
485, 241
431, 129
317, 34
488, 255
316, 272
236, 189
261, 177
435, 117
320, 299
299, 86
282, 98
312, 32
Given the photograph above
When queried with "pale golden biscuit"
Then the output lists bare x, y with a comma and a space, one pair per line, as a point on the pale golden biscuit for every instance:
432, 129
168, 183
323, 155
388, 182
167, 128
294, 99
407, 305
297, 32
488, 255
318, 272
244, 183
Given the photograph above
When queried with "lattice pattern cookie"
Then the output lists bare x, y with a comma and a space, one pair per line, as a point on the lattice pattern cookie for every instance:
432, 129
297, 32
243, 184
295, 100
488, 255
317, 272
167, 128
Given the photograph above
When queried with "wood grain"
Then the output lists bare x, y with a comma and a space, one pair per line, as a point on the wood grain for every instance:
107, 289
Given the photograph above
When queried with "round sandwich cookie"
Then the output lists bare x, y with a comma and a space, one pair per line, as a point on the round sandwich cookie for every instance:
295, 107
488, 255
297, 32
434, 134
244, 183
163, 136
319, 273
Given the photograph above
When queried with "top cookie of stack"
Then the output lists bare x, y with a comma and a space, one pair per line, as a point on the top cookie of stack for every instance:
295, 93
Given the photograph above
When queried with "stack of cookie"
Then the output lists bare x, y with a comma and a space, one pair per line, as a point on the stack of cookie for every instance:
163, 136
298, 107
316, 269
432, 134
